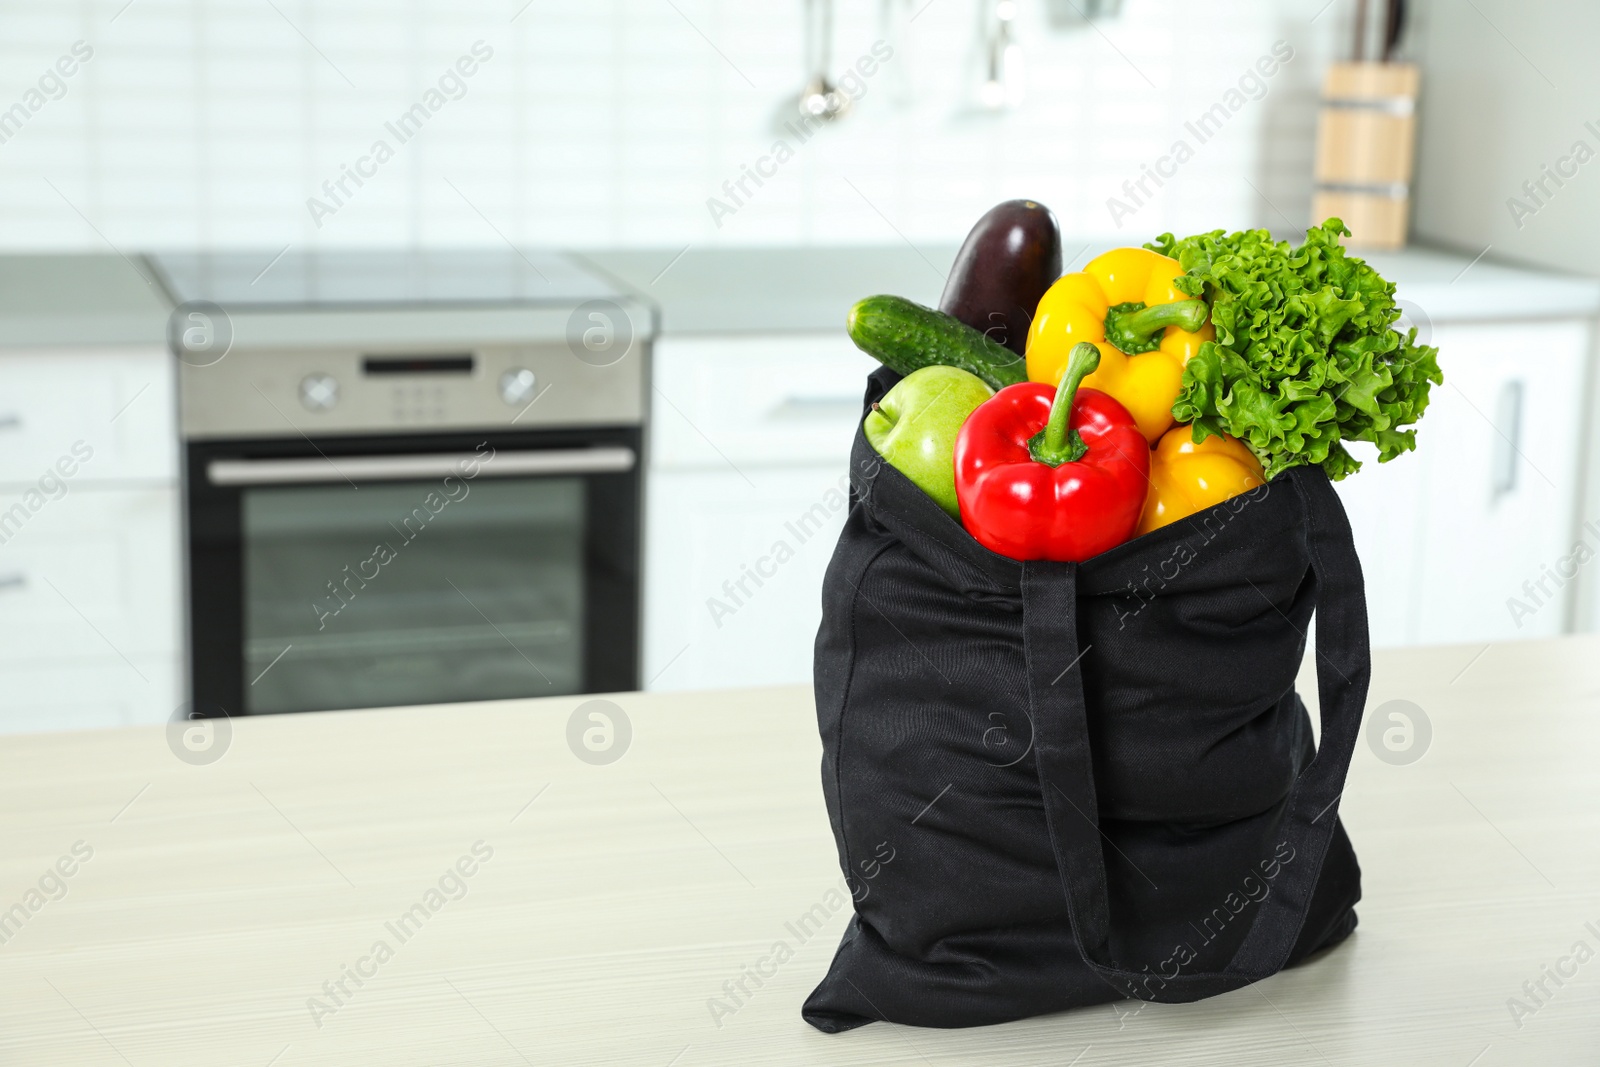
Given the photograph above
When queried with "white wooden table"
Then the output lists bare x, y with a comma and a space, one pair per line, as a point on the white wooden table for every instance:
618, 899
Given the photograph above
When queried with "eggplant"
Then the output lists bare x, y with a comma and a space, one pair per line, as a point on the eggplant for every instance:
1006, 263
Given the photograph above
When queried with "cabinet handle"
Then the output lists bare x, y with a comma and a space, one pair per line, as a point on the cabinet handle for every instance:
1508, 440
10, 422
12, 581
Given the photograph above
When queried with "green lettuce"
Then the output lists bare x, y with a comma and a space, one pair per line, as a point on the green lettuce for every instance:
1306, 355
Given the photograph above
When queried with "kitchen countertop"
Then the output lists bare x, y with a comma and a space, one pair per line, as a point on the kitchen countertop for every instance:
1447, 286
757, 290
104, 299
59, 299
763, 290
607, 905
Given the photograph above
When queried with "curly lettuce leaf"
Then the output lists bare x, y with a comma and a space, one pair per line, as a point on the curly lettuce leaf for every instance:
1306, 355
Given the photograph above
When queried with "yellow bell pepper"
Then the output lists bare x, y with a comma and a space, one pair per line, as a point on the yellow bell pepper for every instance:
1120, 302
1186, 478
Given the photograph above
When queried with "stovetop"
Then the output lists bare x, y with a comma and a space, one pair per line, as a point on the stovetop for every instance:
325, 280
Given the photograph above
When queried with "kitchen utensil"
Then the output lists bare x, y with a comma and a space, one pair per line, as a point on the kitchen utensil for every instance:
820, 98
1394, 27
1066, 14
1003, 84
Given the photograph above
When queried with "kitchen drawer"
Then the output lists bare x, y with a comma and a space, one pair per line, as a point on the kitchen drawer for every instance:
1453, 535
733, 574
1385, 505
118, 402
1504, 436
756, 399
89, 693
95, 572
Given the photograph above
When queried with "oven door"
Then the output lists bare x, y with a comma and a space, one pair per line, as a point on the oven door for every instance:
371, 572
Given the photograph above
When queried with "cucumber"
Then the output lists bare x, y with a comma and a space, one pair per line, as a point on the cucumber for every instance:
905, 336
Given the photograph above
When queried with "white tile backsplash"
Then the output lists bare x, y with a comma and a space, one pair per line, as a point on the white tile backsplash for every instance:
612, 122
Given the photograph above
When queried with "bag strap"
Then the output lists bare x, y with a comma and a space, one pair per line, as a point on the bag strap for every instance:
1066, 770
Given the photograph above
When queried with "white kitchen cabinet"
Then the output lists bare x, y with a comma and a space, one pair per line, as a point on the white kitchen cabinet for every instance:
754, 400
90, 566
1386, 507
89, 612
1448, 534
750, 443
92, 691
734, 594
117, 402
93, 572
1505, 478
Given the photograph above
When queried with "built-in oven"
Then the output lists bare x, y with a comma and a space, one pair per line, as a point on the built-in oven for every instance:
426, 498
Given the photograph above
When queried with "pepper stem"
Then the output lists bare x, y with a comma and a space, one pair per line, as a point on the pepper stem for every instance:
1186, 315
1058, 443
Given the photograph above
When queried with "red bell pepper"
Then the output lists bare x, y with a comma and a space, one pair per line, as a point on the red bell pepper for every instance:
1058, 474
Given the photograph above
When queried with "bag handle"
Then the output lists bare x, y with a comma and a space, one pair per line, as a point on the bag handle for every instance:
1066, 770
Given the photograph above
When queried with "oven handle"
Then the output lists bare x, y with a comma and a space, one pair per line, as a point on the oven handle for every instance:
603, 460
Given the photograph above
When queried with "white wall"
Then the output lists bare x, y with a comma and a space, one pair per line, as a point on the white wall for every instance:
608, 123
1508, 89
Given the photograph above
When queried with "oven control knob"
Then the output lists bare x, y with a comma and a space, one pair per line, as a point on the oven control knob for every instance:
517, 385
318, 392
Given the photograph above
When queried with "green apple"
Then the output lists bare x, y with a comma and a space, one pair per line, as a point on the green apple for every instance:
914, 427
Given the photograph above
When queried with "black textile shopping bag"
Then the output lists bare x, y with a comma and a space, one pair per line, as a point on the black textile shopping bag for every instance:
1055, 785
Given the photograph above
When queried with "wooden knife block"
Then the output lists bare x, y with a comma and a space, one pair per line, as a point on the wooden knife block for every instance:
1366, 139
